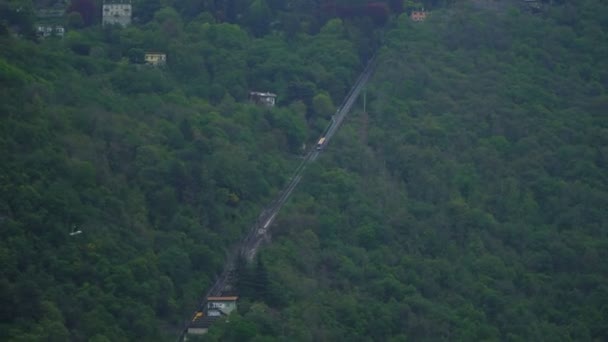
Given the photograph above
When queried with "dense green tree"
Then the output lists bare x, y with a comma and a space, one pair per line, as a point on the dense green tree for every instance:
160, 169
322, 105
86, 8
465, 203
258, 17
20, 15
468, 203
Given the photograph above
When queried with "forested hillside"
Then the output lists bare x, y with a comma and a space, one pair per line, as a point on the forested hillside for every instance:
469, 203
122, 185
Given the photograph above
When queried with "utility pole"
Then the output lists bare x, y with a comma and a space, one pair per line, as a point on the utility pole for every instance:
365, 100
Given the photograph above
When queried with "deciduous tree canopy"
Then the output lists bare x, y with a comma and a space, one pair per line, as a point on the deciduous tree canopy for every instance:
469, 203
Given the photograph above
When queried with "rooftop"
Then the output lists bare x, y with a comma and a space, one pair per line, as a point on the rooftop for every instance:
267, 94
222, 299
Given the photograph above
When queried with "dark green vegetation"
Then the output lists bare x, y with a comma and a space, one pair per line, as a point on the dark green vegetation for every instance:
161, 168
471, 204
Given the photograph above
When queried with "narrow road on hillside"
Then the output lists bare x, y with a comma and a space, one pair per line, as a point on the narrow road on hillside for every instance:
259, 231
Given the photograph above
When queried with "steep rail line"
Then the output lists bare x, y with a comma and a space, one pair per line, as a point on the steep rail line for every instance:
258, 232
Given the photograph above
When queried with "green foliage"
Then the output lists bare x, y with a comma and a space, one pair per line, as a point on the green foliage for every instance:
74, 20
322, 105
470, 203
18, 15
162, 169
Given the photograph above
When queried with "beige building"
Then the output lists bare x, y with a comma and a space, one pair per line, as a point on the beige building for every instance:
267, 99
418, 15
155, 58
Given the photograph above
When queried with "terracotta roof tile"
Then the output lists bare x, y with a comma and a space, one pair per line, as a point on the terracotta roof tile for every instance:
222, 299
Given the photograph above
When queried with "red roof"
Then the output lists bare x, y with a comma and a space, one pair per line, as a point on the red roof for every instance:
222, 299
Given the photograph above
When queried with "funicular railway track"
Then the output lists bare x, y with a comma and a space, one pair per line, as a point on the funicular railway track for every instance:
259, 231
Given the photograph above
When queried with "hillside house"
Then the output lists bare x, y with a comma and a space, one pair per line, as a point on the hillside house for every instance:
216, 308
116, 12
220, 306
267, 99
155, 58
418, 15
44, 31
